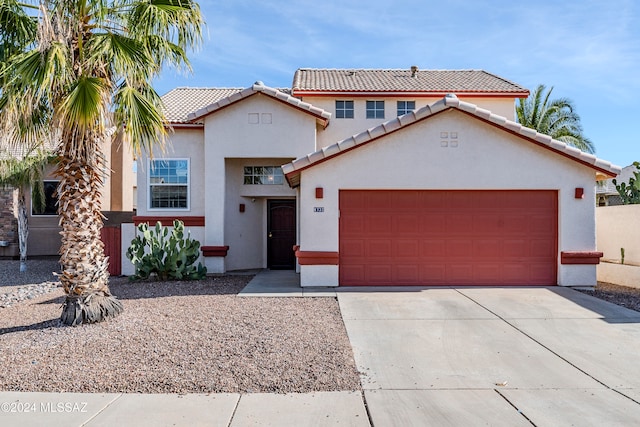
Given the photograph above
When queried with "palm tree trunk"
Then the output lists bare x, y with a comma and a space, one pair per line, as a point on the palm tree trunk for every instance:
85, 274
23, 229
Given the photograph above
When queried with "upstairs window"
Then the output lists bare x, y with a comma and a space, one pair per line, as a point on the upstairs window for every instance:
169, 184
405, 107
263, 175
344, 109
375, 109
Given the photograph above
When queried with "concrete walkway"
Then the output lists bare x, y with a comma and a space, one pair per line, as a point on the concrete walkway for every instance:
428, 356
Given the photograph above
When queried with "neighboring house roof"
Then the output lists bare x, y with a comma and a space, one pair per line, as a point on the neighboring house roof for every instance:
182, 101
321, 115
608, 188
307, 81
292, 170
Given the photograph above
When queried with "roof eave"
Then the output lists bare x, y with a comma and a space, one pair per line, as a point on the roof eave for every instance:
404, 94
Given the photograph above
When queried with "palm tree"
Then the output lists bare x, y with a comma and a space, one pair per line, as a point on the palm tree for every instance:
82, 69
556, 118
22, 174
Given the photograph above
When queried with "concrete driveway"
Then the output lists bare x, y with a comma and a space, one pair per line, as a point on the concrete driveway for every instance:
494, 356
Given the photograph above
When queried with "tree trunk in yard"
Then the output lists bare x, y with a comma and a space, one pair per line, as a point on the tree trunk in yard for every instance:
85, 272
23, 229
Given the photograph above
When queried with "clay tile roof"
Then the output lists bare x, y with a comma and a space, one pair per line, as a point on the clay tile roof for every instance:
321, 115
427, 82
603, 168
182, 101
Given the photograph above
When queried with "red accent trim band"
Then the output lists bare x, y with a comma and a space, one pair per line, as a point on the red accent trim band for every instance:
189, 221
317, 257
296, 248
580, 257
415, 94
210, 251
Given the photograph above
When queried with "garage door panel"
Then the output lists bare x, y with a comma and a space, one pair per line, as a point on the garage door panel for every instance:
487, 248
378, 248
459, 273
486, 224
513, 273
432, 248
513, 223
459, 248
405, 223
484, 273
354, 248
407, 274
351, 224
379, 199
406, 249
433, 274
448, 237
539, 224
432, 222
458, 223
379, 274
378, 223
352, 274
541, 249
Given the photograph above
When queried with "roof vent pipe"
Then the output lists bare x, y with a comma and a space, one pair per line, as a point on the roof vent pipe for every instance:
414, 70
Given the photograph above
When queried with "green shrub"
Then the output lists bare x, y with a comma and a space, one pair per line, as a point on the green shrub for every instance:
169, 256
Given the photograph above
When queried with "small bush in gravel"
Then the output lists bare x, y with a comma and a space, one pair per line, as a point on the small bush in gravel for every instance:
169, 256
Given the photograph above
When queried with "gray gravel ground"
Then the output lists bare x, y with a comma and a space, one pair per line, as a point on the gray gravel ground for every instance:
37, 280
179, 337
620, 295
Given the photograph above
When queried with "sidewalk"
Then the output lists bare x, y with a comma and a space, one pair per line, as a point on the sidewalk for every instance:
223, 410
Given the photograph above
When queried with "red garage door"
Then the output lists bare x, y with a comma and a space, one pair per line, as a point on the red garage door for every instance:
448, 237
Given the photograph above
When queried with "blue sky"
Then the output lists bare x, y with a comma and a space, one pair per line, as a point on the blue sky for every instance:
589, 50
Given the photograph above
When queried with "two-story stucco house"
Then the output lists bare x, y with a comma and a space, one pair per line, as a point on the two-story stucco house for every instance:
375, 177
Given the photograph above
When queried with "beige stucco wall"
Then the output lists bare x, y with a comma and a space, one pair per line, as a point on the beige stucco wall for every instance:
182, 143
617, 227
485, 159
340, 129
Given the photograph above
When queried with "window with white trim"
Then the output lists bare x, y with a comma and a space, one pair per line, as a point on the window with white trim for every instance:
405, 107
375, 109
344, 109
263, 175
169, 184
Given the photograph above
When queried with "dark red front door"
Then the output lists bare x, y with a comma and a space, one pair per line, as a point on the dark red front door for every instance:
281, 229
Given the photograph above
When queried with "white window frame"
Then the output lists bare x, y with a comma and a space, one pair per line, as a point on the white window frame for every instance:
375, 110
344, 109
274, 174
404, 109
149, 184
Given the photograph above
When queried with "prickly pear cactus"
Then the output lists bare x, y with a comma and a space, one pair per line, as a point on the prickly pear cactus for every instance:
630, 193
171, 256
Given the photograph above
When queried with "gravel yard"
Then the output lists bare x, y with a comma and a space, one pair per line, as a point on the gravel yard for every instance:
176, 337
181, 337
